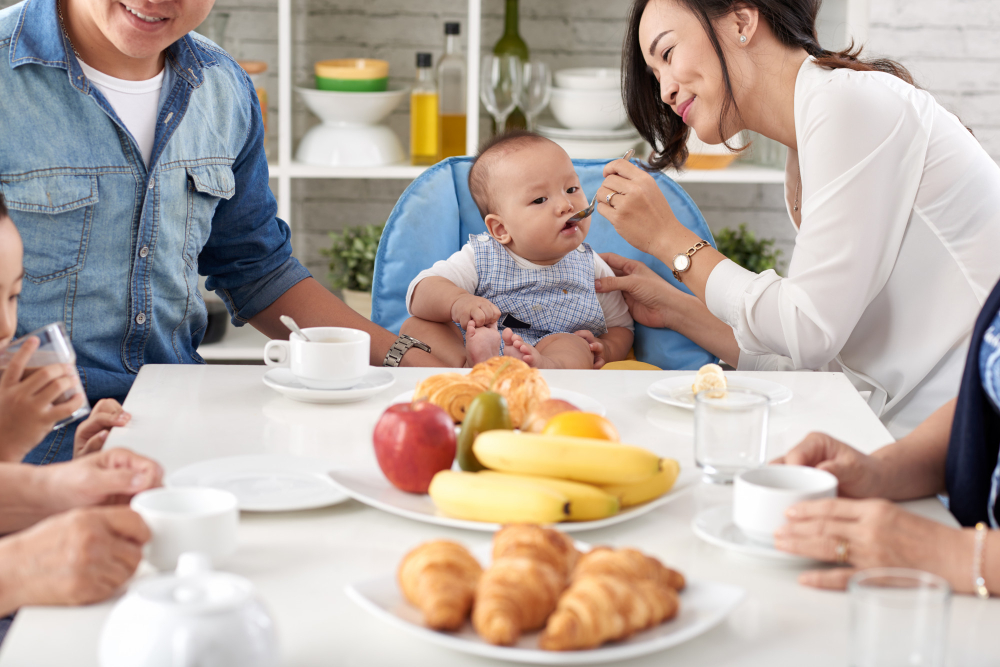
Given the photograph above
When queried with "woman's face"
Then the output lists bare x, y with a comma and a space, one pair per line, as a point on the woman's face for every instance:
678, 52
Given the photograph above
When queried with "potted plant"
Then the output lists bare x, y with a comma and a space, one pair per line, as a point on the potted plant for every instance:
743, 247
352, 264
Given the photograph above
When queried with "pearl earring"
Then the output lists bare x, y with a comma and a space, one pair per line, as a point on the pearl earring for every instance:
743, 39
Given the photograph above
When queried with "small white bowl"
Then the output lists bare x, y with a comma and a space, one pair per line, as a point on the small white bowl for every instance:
589, 78
596, 149
588, 109
761, 496
351, 108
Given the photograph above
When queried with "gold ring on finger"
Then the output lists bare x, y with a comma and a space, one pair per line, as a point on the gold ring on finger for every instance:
607, 199
841, 552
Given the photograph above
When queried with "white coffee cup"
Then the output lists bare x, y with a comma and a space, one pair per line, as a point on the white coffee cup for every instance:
188, 519
332, 358
761, 496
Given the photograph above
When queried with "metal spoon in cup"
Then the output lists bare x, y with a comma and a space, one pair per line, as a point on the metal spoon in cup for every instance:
593, 202
290, 323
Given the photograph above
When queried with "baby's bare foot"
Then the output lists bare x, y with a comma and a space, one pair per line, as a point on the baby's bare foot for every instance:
481, 343
516, 347
509, 349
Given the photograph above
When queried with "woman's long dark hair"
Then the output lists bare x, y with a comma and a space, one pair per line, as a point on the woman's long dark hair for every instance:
793, 22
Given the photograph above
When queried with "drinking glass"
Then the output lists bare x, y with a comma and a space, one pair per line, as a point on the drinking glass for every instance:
730, 432
898, 617
535, 90
55, 348
500, 86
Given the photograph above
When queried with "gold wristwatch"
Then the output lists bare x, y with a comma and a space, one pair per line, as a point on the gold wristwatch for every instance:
682, 262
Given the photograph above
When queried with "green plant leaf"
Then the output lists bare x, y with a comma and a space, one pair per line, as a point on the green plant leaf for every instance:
743, 247
352, 257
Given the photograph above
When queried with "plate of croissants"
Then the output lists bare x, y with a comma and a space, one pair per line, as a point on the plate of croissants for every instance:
537, 596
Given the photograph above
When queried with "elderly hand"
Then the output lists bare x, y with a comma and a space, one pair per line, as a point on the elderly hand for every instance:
103, 478
74, 558
863, 534
651, 300
858, 475
27, 402
93, 431
639, 212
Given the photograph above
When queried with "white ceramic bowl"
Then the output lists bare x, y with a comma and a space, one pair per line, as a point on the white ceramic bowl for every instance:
337, 108
588, 109
589, 78
761, 496
596, 149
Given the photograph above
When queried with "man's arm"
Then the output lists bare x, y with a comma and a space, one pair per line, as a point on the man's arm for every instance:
312, 305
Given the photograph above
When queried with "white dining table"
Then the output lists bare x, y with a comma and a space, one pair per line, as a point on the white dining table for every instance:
300, 562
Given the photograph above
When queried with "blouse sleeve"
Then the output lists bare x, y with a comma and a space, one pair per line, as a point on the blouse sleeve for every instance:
861, 147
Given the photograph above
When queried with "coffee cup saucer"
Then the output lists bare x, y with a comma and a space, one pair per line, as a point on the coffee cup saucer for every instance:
715, 526
284, 382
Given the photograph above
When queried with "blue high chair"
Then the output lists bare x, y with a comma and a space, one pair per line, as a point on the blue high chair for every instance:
435, 215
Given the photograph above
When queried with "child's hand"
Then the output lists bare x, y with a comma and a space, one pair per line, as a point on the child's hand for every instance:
474, 308
93, 431
27, 402
596, 347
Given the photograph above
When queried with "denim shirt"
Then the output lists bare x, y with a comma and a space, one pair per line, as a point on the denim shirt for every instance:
115, 249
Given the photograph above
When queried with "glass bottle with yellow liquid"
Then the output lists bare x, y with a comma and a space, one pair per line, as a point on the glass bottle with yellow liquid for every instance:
451, 95
424, 114
511, 44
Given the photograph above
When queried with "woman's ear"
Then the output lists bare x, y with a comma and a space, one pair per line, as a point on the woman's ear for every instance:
496, 228
744, 23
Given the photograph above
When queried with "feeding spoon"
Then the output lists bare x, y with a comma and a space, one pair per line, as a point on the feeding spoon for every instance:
593, 202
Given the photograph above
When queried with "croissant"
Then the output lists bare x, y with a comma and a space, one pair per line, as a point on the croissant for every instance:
440, 578
628, 564
450, 391
598, 608
523, 389
522, 586
486, 371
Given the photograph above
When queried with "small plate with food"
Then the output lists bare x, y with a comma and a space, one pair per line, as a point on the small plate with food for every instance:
535, 596
680, 390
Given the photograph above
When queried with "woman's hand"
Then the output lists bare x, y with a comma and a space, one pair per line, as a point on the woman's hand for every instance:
858, 475
103, 478
639, 212
651, 300
93, 431
869, 533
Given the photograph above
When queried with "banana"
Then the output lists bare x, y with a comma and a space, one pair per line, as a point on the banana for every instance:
579, 459
468, 495
586, 502
648, 489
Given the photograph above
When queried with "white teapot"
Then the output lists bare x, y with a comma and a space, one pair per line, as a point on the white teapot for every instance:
194, 617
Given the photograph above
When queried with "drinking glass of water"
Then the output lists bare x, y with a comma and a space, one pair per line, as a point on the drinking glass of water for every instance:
730, 432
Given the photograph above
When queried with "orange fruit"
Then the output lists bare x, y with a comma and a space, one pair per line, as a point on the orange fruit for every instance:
581, 425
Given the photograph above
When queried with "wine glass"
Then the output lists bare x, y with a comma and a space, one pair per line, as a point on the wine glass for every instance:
535, 90
500, 86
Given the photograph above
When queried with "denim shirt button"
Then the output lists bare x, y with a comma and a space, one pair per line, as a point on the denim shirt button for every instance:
140, 318
143, 252
152, 182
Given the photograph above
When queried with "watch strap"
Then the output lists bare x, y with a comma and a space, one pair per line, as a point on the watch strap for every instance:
402, 345
691, 251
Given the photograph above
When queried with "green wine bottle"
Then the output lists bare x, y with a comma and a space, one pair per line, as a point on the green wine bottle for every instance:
511, 44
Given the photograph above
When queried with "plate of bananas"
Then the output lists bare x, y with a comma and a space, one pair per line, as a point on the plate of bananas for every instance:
579, 483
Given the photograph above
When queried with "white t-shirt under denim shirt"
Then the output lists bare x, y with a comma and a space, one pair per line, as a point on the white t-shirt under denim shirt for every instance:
460, 269
137, 104
897, 249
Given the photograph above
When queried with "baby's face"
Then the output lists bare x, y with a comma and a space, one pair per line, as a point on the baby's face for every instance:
537, 191
11, 273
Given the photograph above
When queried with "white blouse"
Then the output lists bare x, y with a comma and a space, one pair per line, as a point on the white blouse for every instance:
897, 249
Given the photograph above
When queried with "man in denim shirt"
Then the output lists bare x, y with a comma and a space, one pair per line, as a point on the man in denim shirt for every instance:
132, 160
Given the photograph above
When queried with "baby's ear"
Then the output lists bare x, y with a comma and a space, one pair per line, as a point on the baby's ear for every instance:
496, 228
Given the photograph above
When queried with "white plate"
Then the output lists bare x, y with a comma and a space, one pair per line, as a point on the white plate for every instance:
704, 604
715, 526
677, 390
264, 483
369, 486
282, 381
583, 402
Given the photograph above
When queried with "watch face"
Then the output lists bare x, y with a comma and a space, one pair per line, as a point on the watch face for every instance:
682, 263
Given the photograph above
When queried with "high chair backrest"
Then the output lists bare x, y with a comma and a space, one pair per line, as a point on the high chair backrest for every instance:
435, 215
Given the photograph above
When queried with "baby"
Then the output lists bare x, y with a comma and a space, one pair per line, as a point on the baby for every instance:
525, 289
28, 408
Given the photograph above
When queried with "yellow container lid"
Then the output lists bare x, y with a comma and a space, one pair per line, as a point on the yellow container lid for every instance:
253, 66
352, 68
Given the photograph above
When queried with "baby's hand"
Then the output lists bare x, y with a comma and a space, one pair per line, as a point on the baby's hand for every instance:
474, 308
596, 346
28, 409
93, 431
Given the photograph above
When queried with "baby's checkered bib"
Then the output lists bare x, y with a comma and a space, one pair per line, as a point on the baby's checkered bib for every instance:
548, 299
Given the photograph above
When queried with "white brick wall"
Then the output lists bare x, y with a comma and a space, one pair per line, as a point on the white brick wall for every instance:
951, 46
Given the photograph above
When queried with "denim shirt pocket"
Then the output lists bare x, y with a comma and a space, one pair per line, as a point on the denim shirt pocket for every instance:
207, 185
53, 214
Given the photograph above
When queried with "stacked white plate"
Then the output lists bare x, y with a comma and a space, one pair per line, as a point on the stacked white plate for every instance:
587, 103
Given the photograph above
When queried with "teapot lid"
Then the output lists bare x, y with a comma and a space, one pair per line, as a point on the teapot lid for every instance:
194, 588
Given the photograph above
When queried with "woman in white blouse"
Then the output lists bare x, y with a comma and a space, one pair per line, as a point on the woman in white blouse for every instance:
896, 204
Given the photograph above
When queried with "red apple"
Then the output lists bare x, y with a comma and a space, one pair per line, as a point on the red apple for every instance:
414, 441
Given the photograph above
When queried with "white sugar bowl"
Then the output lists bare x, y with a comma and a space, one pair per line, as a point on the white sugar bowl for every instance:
191, 617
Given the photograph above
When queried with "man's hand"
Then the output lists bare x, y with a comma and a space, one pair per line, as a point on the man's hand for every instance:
79, 557
596, 347
469, 307
28, 408
102, 478
93, 431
